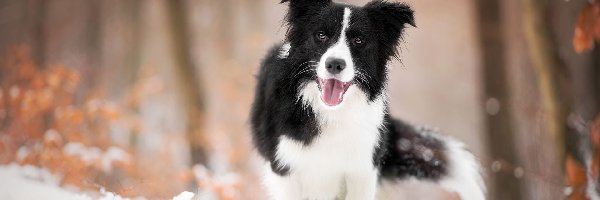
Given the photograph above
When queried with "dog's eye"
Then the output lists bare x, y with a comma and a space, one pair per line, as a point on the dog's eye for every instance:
321, 36
357, 41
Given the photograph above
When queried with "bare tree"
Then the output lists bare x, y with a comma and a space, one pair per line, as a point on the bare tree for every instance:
551, 73
189, 81
38, 32
496, 90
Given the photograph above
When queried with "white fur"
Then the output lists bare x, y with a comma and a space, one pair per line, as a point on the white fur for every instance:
339, 162
339, 50
284, 52
464, 176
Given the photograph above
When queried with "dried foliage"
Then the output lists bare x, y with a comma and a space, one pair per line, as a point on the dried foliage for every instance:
579, 176
42, 124
587, 28
576, 178
46, 120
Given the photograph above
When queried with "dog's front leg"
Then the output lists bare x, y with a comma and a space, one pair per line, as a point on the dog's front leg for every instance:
280, 187
361, 185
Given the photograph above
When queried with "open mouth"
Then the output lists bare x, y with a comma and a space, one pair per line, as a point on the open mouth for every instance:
332, 91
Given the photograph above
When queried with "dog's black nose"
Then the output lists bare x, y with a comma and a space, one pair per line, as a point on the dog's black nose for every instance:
335, 65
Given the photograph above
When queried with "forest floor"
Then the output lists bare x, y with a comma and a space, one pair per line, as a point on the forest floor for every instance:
18, 182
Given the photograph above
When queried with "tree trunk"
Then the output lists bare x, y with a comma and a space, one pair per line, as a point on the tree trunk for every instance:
38, 34
551, 73
596, 69
189, 81
496, 100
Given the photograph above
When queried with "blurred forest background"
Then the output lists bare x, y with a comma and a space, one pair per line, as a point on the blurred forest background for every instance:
151, 98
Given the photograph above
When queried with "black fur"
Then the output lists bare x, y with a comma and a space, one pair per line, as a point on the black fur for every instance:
413, 152
277, 110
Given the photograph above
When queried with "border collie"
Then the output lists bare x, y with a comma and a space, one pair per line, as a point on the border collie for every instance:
320, 114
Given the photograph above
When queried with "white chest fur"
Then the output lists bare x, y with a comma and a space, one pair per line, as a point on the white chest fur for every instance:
339, 162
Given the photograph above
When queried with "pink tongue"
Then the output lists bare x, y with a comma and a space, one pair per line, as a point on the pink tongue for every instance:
332, 91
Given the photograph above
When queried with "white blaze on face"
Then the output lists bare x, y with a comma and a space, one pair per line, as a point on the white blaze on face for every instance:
339, 50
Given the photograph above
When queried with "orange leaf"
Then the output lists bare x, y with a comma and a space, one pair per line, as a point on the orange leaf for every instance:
575, 173
576, 178
587, 28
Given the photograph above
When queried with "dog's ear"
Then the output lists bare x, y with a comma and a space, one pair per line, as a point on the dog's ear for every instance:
299, 9
393, 14
390, 18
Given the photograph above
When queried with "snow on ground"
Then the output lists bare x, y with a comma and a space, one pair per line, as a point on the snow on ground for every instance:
184, 196
28, 182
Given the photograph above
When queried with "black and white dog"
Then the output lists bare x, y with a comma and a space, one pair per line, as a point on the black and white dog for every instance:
320, 115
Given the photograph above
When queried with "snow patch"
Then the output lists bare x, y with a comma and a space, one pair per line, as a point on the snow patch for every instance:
91, 155
209, 183
23, 152
52, 135
111, 155
110, 196
87, 154
29, 182
184, 196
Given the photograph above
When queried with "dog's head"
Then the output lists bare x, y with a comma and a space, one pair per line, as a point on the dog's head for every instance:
348, 46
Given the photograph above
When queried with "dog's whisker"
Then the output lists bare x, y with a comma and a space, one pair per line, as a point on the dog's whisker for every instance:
310, 67
361, 76
302, 72
364, 74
